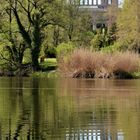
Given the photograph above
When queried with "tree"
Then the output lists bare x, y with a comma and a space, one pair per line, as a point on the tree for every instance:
37, 16
76, 21
72, 24
31, 32
28, 21
111, 14
129, 25
12, 44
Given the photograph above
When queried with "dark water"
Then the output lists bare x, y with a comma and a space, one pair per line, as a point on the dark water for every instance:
69, 109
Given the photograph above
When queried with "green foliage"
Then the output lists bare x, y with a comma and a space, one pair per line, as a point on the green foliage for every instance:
112, 31
84, 38
4, 53
50, 52
64, 48
136, 75
112, 48
54, 35
99, 40
76, 22
48, 74
128, 25
82, 29
49, 64
27, 56
104, 38
46, 23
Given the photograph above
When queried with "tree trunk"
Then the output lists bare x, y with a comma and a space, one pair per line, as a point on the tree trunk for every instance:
36, 44
35, 56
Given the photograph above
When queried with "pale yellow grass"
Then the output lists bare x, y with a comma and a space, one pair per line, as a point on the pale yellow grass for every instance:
87, 64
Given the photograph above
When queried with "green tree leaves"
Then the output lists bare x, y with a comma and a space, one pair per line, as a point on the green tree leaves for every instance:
129, 25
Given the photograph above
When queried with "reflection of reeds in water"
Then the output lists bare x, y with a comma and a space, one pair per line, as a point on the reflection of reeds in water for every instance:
84, 63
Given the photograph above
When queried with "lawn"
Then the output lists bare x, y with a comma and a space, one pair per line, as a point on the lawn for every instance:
49, 64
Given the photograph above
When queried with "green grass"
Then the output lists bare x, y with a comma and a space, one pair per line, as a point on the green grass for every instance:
48, 68
49, 64
136, 75
47, 74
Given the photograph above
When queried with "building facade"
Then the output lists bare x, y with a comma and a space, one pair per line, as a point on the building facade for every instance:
97, 4
98, 8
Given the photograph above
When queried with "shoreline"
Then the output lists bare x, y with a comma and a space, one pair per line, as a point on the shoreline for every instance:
54, 74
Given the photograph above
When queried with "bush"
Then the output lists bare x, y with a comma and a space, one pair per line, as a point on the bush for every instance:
87, 64
50, 52
97, 42
84, 38
64, 48
112, 48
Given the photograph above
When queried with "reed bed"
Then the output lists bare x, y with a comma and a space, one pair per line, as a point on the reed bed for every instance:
83, 63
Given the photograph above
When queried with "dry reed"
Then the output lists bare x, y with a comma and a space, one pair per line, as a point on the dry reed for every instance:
87, 64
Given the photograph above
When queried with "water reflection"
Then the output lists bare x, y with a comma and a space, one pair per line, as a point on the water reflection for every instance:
69, 109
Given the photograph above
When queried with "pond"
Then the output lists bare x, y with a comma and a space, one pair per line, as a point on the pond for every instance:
69, 109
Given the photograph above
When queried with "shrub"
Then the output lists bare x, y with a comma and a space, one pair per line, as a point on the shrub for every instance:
64, 48
84, 63
100, 40
50, 52
112, 48
97, 42
84, 38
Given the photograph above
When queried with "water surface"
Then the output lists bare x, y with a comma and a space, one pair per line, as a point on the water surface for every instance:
69, 109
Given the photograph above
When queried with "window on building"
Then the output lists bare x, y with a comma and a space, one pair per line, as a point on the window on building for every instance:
90, 2
99, 2
86, 2
94, 2
81, 2
100, 25
109, 2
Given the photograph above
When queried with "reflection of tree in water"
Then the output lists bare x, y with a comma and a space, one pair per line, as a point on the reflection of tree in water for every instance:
36, 110
45, 112
22, 112
55, 115
13, 109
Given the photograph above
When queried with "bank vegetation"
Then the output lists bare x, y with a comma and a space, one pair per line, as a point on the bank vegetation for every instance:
43, 35
83, 63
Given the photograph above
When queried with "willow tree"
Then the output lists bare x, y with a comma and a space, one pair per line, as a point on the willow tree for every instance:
129, 25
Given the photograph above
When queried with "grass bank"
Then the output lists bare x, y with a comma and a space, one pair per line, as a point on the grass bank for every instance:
47, 74
49, 64
83, 63
48, 69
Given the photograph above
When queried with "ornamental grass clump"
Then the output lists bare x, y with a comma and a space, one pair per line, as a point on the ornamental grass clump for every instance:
83, 63
79, 63
125, 63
